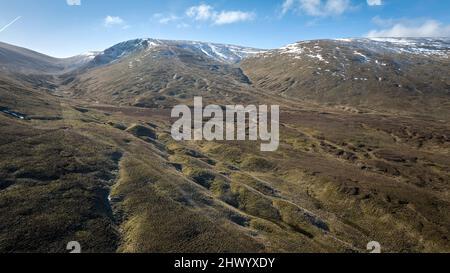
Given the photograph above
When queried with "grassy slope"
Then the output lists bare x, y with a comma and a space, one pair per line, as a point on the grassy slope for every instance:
397, 83
340, 179
319, 192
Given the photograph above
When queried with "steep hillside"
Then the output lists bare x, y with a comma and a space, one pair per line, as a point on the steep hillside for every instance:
15, 59
398, 75
155, 73
218, 52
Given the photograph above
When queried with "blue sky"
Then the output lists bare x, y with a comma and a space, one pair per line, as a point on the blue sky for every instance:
68, 27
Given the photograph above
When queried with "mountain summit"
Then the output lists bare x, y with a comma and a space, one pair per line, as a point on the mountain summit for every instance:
219, 52
399, 74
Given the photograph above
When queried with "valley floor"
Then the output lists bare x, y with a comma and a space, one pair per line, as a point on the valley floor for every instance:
113, 179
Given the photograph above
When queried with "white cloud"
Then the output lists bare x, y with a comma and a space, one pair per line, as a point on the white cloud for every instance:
165, 19
336, 7
287, 5
374, 2
229, 17
73, 2
430, 28
110, 21
201, 13
321, 8
205, 12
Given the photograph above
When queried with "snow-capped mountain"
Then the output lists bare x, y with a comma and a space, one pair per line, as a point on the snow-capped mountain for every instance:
383, 73
79, 60
90, 55
431, 47
15, 59
438, 47
219, 52
120, 50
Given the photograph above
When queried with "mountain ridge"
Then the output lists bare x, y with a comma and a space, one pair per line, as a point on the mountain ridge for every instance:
393, 40
350, 72
392, 74
224, 52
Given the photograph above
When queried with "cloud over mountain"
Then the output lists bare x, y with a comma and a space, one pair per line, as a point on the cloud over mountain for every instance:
430, 28
110, 21
207, 13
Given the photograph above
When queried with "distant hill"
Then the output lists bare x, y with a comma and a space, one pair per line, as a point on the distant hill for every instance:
380, 74
158, 73
15, 59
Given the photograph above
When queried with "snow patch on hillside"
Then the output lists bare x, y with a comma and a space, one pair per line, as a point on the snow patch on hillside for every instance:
300, 50
437, 47
219, 52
